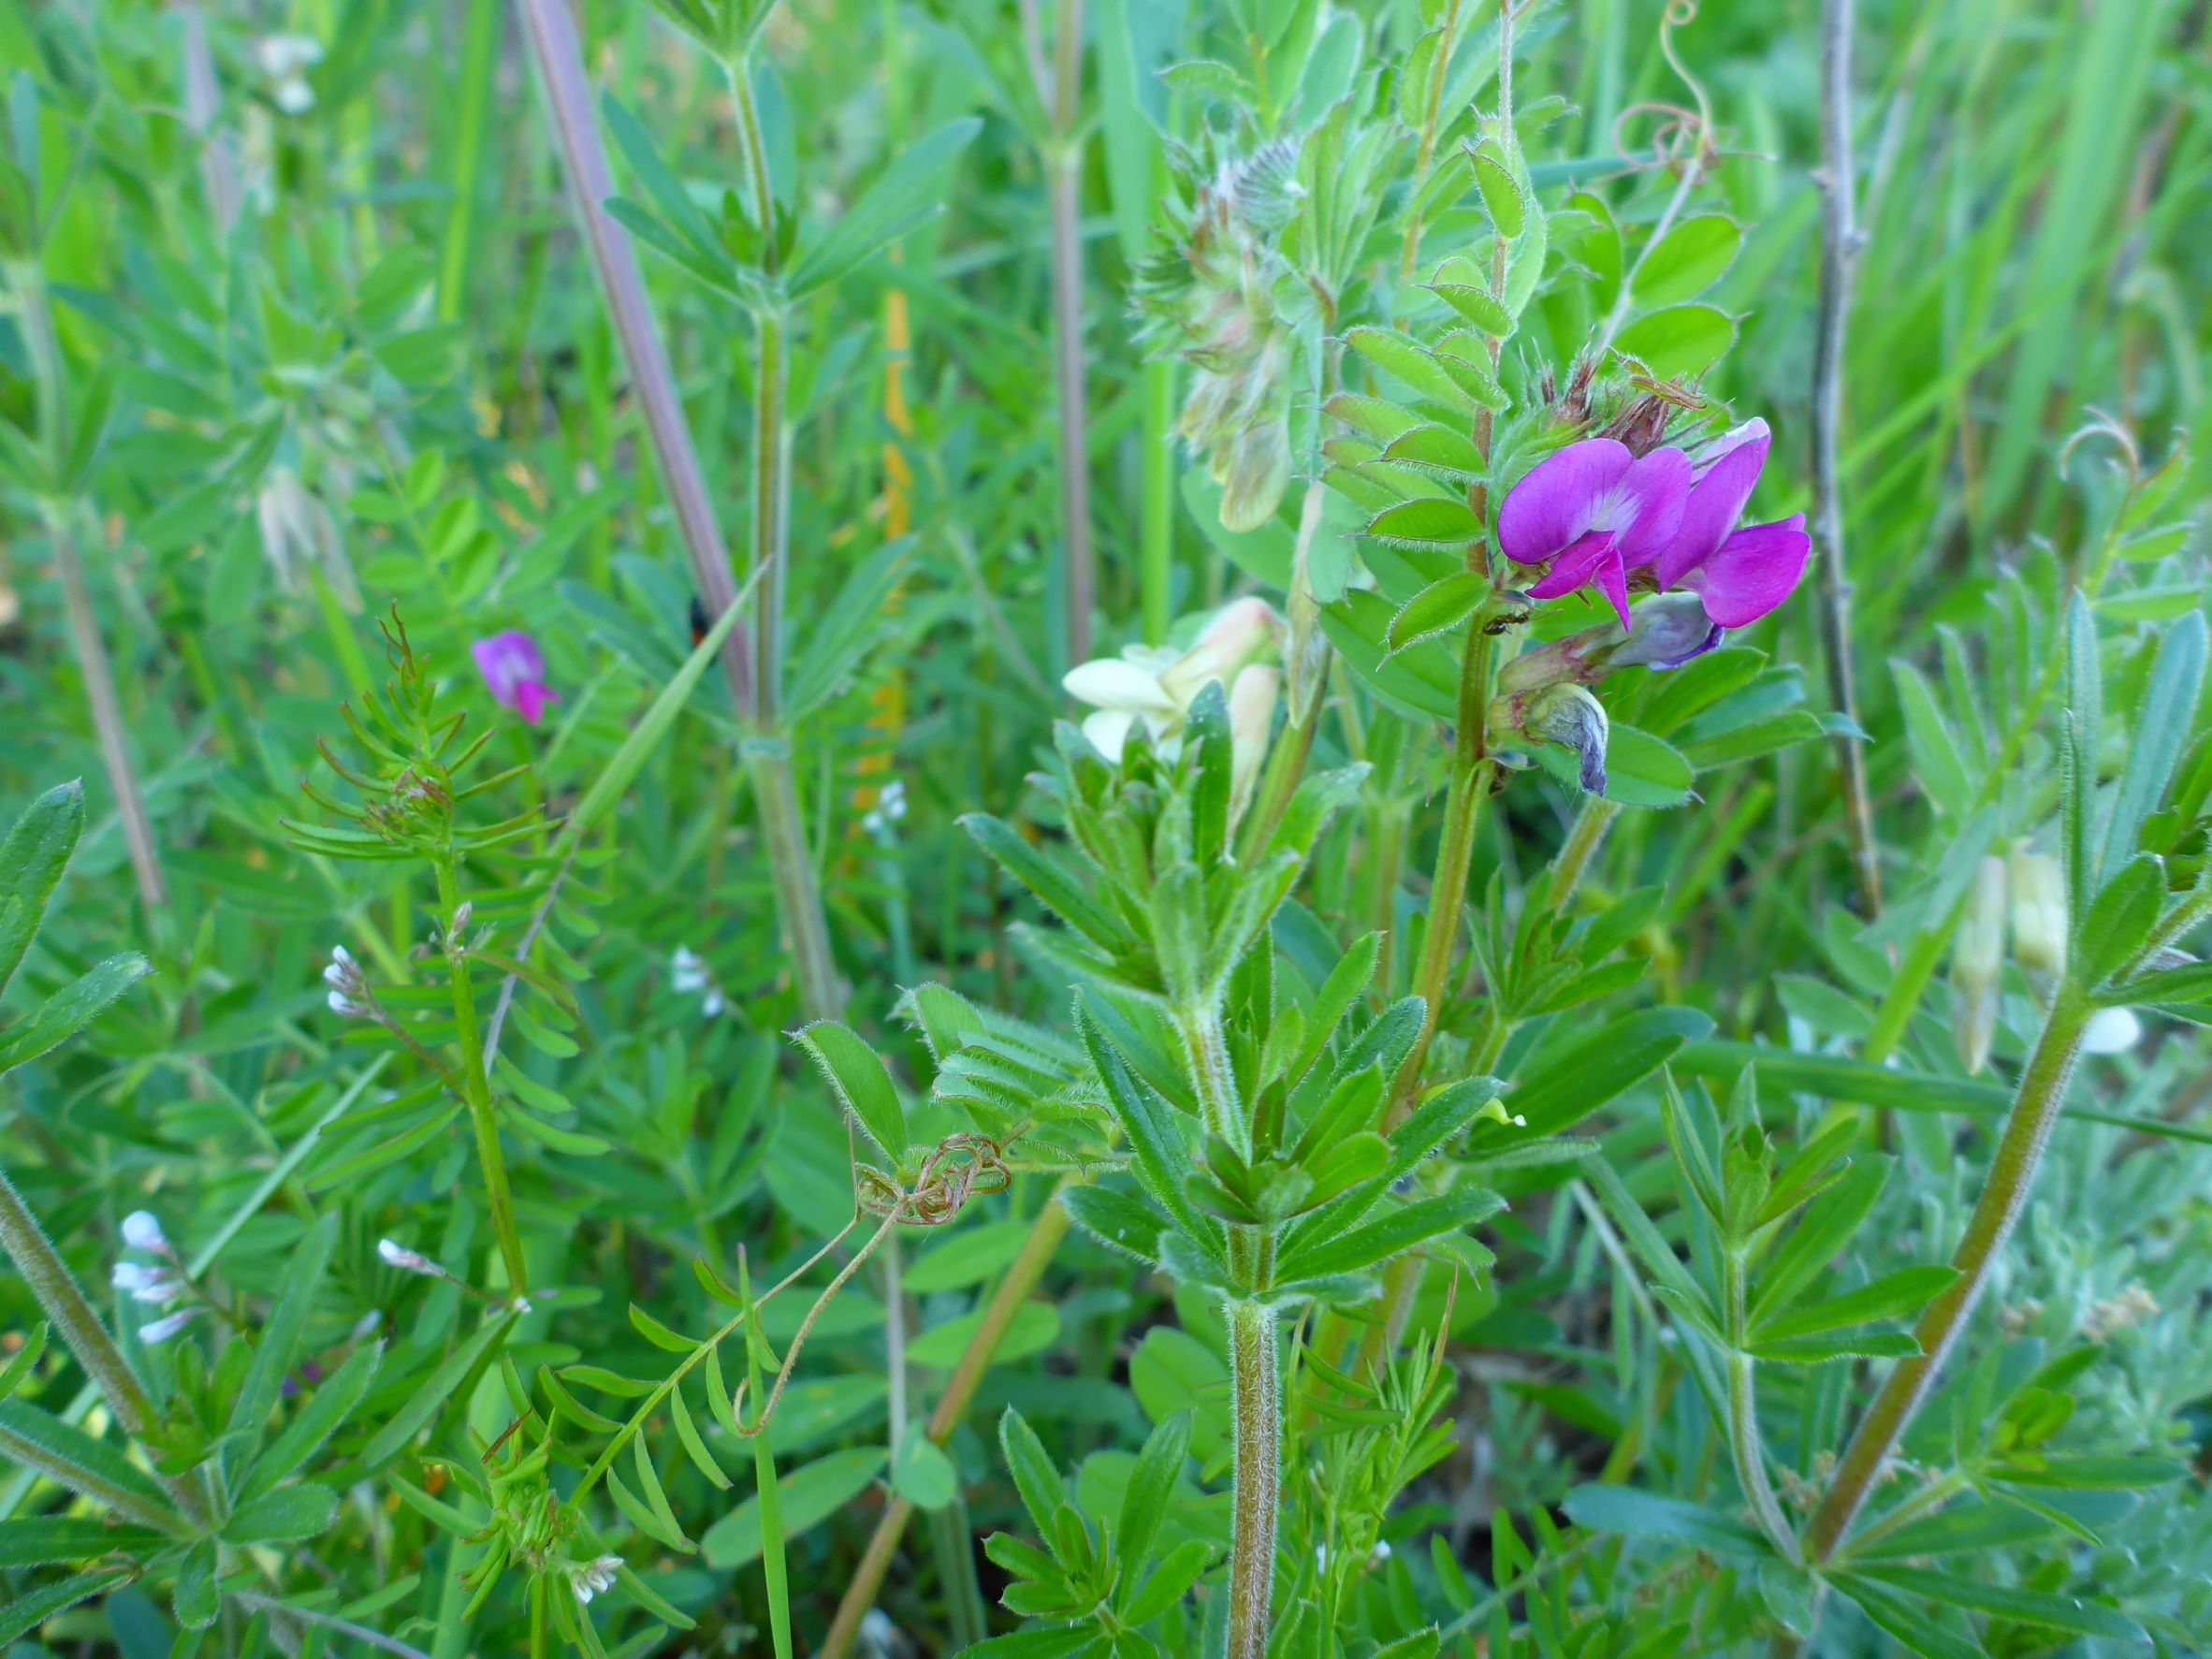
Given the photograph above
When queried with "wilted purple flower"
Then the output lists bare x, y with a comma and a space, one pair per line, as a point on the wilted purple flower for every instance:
1602, 516
514, 669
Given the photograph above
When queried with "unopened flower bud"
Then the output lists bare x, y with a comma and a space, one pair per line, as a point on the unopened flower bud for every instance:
345, 1008
1670, 629
1563, 714
1977, 953
142, 1231
406, 1260
2038, 911
1251, 722
1242, 632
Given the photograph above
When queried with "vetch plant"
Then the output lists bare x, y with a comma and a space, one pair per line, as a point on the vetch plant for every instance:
1273, 963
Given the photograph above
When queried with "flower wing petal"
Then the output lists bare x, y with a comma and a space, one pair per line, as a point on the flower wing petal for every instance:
1753, 572
1713, 507
1110, 682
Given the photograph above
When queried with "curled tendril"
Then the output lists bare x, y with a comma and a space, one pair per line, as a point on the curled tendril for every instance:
1683, 142
2104, 425
958, 1168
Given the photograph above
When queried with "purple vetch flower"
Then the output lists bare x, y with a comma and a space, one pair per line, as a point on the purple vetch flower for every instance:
1741, 574
515, 670
1602, 516
1592, 512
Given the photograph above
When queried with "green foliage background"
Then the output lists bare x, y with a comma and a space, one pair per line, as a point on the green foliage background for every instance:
399, 364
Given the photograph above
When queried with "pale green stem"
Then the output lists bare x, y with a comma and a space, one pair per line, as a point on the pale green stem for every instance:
1156, 518
476, 1092
1744, 1420
1439, 72
1584, 839
2035, 1108
768, 761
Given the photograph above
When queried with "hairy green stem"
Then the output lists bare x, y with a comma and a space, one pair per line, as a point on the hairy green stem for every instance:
1471, 770
476, 1091
1205, 1052
2036, 1103
1256, 1387
1155, 557
34, 321
768, 756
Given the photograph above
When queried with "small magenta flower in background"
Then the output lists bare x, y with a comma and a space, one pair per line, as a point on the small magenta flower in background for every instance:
515, 670
1602, 516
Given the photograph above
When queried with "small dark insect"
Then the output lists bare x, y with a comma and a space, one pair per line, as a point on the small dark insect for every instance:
702, 624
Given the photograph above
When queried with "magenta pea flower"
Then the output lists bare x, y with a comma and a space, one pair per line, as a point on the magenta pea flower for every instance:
1743, 573
1600, 516
1593, 512
515, 670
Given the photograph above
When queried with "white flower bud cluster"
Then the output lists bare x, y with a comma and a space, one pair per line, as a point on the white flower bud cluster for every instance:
349, 990
158, 1285
690, 976
595, 1577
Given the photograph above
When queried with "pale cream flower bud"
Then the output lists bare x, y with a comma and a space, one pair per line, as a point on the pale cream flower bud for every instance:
1251, 722
2038, 910
1241, 632
1977, 953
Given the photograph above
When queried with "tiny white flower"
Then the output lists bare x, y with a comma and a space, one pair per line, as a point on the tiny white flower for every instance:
879, 1633
160, 1331
365, 1326
152, 1286
340, 956
2111, 1031
894, 800
281, 55
713, 1003
142, 1231
406, 1260
686, 972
